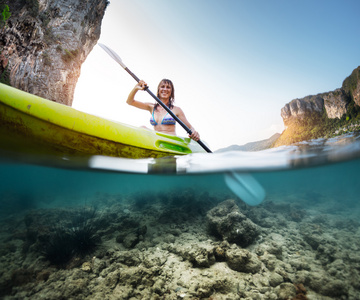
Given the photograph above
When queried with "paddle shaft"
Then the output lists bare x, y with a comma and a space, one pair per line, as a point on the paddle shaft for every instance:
187, 129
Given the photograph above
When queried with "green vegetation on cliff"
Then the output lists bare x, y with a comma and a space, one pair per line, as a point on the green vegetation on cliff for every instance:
350, 83
5, 14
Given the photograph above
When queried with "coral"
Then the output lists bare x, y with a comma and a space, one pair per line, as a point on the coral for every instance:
226, 221
242, 260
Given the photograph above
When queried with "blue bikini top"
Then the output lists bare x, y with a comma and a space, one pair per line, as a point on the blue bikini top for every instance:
167, 120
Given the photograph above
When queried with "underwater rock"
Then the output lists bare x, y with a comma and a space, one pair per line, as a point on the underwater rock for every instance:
199, 256
129, 236
112, 279
275, 279
335, 288
286, 291
97, 265
269, 260
129, 258
242, 260
226, 221
314, 240
131, 240
86, 267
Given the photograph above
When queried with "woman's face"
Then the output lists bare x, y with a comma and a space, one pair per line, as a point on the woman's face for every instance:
165, 90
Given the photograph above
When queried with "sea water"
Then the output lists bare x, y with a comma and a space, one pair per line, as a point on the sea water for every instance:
323, 167
315, 179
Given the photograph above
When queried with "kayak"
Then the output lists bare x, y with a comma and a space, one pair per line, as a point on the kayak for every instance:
60, 127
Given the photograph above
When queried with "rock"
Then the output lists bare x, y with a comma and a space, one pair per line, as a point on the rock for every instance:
131, 240
130, 258
242, 260
112, 279
335, 288
297, 108
336, 103
98, 265
286, 291
219, 253
275, 279
314, 240
351, 86
86, 267
200, 257
226, 221
158, 286
269, 260
44, 45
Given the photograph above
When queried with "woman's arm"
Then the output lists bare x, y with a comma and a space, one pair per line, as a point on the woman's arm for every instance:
131, 101
194, 135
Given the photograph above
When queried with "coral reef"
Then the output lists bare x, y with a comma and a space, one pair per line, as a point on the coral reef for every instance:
140, 254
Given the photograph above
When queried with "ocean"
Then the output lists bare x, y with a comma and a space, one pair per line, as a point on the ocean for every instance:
281, 223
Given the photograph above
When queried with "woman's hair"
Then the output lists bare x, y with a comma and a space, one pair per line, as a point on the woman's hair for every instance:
172, 96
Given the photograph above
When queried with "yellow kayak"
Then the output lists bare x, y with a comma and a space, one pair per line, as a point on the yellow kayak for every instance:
66, 129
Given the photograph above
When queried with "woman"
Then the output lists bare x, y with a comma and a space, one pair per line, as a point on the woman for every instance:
160, 118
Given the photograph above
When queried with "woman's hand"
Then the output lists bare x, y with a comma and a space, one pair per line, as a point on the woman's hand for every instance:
194, 135
142, 85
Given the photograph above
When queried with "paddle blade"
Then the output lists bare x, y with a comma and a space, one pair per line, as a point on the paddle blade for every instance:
246, 187
113, 55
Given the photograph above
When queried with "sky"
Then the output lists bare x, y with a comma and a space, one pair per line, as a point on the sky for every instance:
234, 63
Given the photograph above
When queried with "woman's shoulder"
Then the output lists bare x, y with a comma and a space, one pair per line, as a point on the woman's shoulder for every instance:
177, 109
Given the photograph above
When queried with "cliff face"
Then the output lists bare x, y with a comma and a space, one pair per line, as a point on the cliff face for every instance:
310, 117
335, 103
45, 43
351, 86
299, 107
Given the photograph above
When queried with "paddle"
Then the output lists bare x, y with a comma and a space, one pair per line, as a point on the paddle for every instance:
246, 187
120, 62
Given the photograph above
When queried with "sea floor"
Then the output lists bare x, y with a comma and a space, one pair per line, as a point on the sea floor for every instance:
184, 246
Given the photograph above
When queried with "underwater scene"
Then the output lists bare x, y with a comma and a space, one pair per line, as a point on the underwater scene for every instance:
281, 223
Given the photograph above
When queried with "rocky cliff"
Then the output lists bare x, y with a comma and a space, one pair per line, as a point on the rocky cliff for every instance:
45, 42
318, 115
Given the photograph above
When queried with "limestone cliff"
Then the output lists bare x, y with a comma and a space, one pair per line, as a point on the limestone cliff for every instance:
335, 103
45, 43
322, 114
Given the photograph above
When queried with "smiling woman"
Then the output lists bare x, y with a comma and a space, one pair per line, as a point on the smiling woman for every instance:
160, 118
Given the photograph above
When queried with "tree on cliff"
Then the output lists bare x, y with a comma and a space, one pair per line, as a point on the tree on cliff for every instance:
5, 14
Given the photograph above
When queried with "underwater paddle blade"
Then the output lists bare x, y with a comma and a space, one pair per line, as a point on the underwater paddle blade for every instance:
246, 187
